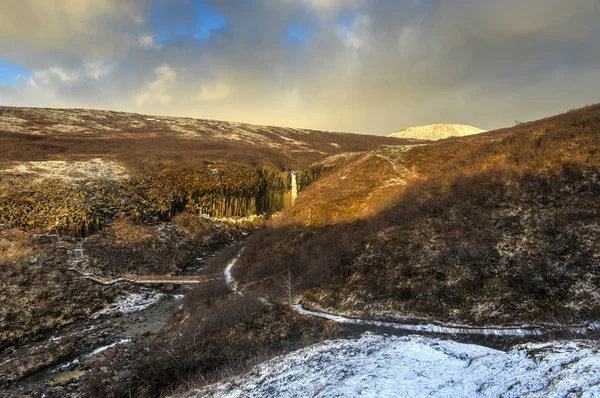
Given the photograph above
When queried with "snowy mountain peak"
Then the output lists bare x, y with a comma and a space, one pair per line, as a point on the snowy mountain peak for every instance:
436, 131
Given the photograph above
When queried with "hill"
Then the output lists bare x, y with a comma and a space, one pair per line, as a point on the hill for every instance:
34, 134
498, 229
418, 367
436, 132
494, 228
150, 168
136, 193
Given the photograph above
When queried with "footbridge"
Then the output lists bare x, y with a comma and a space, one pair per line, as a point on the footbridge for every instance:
148, 279
79, 260
168, 280
171, 279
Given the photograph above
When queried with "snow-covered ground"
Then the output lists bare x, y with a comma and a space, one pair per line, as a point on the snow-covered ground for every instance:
451, 329
418, 366
71, 171
228, 277
414, 366
134, 302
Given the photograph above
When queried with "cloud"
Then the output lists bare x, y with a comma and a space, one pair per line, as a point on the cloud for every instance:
364, 66
159, 90
214, 91
44, 31
147, 41
329, 7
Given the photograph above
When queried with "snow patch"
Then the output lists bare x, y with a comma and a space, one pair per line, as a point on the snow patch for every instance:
134, 302
426, 327
69, 171
106, 347
413, 366
228, 276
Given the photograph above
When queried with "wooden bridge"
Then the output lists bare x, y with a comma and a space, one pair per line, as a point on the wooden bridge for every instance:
168, 280
172, 279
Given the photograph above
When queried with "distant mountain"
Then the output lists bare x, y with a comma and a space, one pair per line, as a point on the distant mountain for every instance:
436, 132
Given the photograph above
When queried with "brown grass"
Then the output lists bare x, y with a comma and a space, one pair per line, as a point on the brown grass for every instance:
116, 135
192, 225
432, 246
214, 337
127, 232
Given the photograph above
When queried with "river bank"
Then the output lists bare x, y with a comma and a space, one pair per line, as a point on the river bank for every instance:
54, 363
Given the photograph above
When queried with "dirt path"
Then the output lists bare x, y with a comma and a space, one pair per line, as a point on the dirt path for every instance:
524, 331
453, 329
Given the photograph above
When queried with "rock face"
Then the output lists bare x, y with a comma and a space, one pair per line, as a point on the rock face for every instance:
436, 132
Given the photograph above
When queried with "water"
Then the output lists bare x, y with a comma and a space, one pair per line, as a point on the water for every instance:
294, 186
113, 329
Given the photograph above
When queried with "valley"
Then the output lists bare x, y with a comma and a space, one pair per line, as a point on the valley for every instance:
210, 252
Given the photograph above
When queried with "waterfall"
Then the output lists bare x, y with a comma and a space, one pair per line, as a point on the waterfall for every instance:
294, 186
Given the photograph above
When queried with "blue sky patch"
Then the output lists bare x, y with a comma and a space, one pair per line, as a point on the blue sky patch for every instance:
300, 29
185, 19
297, 35
11, 73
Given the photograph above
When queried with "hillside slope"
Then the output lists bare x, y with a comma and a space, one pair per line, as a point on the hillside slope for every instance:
436, 132
28, 134
497, 228
128, 189
150, 168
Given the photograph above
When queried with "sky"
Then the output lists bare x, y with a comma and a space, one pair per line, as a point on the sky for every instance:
365, 66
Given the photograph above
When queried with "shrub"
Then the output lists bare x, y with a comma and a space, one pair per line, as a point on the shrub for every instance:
190, 224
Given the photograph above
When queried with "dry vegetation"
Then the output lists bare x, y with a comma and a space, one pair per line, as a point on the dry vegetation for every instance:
37, 292
501, 227
216, 335
75, 171
133, 186
28, 134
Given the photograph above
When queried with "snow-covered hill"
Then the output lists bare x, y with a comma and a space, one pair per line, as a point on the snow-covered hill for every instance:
436, 131
413, 366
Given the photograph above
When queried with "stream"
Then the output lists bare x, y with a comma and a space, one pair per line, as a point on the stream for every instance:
148, 309
144, 311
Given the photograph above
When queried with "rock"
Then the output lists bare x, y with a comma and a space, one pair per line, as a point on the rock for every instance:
110, 353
